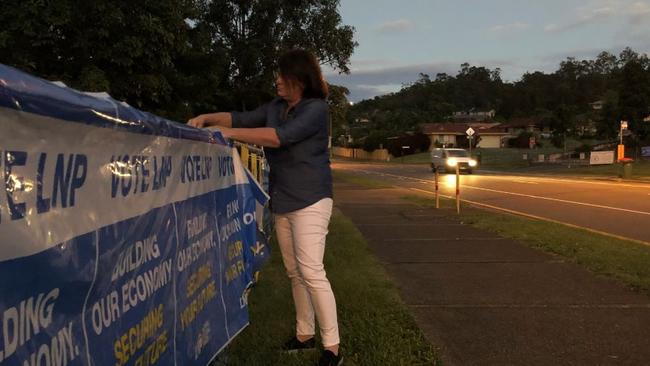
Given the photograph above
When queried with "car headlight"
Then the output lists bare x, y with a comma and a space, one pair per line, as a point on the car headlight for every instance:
472, 163
452, 162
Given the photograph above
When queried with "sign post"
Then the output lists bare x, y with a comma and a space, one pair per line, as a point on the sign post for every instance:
621, 147
457, 189
404, 148
470, 134
437, 188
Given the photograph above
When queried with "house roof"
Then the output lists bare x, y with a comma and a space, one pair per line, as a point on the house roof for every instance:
459, 128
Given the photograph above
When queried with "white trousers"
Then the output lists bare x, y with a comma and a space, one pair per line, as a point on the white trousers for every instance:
301, 236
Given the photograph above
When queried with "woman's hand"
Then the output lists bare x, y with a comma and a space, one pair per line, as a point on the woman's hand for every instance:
223, 119
198, 121
263, 136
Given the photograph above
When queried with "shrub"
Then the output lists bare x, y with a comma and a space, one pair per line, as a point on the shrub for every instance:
416, 143
522, 141
584, 148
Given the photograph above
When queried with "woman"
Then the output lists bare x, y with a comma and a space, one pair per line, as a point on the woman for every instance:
294, 128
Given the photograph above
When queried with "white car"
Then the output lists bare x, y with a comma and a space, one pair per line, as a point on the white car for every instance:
446, 160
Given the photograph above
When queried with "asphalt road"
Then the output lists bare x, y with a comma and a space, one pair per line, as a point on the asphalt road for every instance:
616, 208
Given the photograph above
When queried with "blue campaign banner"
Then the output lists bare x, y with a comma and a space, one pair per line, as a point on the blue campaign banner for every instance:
125, 239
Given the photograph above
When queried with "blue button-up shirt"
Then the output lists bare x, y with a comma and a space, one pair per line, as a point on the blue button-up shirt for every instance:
300, 168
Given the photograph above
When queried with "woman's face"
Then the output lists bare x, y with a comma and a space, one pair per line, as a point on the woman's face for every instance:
287, 90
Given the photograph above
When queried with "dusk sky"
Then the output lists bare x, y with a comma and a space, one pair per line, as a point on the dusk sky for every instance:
400, 39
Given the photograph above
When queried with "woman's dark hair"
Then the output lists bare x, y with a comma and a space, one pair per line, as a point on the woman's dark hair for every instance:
302, 66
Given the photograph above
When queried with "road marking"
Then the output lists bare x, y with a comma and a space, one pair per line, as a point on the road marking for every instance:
443, 239
559, 200
475, 262
550, 179
541, 198
532, 306
524, 182
397, 214
418, 225
519, 213
639, 185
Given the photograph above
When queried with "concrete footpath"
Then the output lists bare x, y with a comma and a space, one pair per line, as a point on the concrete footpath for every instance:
485, 300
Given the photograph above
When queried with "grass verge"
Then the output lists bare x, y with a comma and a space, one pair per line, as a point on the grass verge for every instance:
624, 260
640, 170
359, 180
511, 161
376, 326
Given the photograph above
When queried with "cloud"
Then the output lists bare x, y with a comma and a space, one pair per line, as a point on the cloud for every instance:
396, 26
583, 20
364, 84
552, 28
374, 62
638, 13
517, 26
395, 75
634, 13
361, 92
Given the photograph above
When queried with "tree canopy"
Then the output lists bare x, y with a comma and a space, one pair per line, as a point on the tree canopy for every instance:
559, 99
175, 58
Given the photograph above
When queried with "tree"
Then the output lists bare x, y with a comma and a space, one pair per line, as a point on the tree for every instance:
375, 140
127, 49
339, 107
605, 63
254, 34
175, 58
558, 99
634, 97
608, 119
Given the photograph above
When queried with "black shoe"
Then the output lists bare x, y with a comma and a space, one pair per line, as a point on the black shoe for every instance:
328, 358
293, 345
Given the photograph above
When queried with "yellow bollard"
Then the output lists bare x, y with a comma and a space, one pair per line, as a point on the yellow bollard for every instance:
457, 189
260, 169
254, 165
244, 155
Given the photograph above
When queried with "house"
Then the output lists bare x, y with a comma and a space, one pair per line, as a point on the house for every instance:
449, 134
473, 115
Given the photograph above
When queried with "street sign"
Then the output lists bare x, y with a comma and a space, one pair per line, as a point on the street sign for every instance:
470, 132
623, 125
601, 157
645, 151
